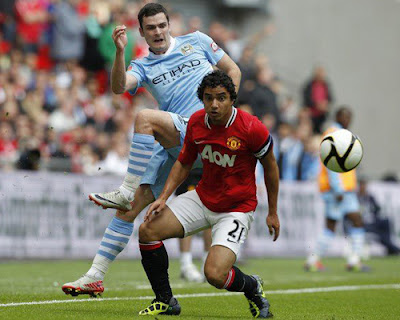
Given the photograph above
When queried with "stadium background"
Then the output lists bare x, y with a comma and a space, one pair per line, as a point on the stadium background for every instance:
64, 135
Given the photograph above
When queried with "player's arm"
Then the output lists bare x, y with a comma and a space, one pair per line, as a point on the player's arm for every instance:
178, 174
120, 80
227, 65
271, 179
216, 56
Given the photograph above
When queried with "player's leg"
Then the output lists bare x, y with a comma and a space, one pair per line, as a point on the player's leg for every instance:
351, 207
155, 260
152, 182
183, 216
382, 228
115, 239
229, 231
150, 125
207, 240
332, 214
188, 269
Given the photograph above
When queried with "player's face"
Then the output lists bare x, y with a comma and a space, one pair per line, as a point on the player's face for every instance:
218, 104
156, 32
345, 119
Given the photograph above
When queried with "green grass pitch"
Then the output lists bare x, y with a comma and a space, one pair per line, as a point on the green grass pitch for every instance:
334, 294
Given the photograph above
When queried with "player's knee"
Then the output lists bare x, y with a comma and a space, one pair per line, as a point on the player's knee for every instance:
143, 122
214, 276
146, 233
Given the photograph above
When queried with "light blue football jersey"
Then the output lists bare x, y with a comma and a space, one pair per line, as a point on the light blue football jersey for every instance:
173, 78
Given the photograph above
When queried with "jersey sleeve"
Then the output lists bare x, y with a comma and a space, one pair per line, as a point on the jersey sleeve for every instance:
137, 71
188, 154
260, 140
211, 49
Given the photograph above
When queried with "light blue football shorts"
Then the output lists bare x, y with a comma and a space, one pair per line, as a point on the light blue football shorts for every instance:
335, 209
162, 159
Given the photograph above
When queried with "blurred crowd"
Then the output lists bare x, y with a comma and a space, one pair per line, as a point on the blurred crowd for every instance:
58, 113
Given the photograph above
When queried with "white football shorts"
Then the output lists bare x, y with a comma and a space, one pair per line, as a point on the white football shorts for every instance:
229, 229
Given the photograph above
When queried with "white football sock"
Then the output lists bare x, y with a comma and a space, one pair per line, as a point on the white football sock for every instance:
139, 157
186, 259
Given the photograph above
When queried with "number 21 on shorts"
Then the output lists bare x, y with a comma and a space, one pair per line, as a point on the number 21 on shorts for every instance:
236, 233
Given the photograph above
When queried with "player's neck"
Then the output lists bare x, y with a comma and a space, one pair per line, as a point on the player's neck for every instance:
159, 52
223, 121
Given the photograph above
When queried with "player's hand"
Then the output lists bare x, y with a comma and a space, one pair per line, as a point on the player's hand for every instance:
119, 37
273, 225
155, 208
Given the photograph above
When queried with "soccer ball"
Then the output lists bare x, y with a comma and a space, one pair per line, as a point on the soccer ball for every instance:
341, 151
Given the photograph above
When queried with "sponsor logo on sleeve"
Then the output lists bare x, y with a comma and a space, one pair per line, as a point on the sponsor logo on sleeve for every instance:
214, 46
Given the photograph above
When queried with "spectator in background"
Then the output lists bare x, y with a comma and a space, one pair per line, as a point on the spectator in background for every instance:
69, 32
99, 16
294, 160
195, 24
65, 117
5, 46
8, 145
106, 43
248, 81
89, 160
116, 158
262, 98
220, 34
282, 146
31, 17
317, 97
309, 163
30, 155
373, 221
177, 24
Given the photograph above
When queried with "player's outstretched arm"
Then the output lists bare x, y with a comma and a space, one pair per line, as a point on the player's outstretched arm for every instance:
227, 65
271, 179
120, 81
178, 174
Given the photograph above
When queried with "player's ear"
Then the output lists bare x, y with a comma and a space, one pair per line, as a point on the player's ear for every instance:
141, 32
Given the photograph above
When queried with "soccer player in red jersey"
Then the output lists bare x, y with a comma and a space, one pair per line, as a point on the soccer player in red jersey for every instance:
230, 142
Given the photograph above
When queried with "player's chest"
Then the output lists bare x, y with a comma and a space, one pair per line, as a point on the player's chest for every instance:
175, 69
223, 150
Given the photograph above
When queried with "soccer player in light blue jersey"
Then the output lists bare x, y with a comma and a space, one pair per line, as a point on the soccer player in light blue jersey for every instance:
171, 72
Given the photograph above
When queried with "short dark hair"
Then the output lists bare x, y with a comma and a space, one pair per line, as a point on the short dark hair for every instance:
151, 9
343, 109
216, 79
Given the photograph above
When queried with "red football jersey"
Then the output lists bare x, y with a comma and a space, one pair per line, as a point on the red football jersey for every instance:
229, 154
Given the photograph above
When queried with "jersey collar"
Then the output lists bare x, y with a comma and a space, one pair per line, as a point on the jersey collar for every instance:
160, 56
228, 124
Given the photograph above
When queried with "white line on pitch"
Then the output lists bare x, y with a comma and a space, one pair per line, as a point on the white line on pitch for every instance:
217, 294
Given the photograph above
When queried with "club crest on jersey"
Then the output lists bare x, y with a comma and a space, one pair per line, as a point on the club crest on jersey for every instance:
187, 49
233, 143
